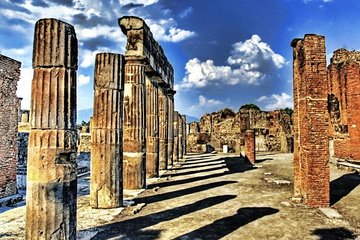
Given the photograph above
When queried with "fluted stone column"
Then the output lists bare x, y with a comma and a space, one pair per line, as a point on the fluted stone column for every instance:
184, 134
170, 126
152, 127
180, 136
163, 127
106, 186
134, 142
176, 137
52, 168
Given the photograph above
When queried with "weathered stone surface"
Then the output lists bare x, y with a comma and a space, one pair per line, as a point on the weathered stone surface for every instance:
106, 151
152, 127
9, 76
55, 44
184, 135
250, 145
176, 137
272, 129
311, 121
180, 136
163, 127
344, 107
142, 45
52, 168
134, 142
170, 97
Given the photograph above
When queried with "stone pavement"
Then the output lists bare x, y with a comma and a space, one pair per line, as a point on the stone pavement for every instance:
213, 196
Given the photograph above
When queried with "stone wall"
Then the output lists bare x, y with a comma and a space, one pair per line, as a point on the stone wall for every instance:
9, 76
344, 104
272, 129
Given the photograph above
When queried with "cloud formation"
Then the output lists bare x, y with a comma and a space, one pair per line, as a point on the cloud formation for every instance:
83, 80
276, 101
205, 105
250, 62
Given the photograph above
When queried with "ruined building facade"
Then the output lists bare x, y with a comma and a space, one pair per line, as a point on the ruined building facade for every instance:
272, 129
344, 105
9, 102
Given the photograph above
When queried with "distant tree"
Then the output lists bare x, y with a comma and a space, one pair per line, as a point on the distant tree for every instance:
289, 111
227, 112
83, 123
249, 106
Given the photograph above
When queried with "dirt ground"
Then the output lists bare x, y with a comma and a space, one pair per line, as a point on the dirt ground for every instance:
217, 196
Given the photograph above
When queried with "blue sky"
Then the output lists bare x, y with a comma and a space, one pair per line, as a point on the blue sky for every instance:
225, 53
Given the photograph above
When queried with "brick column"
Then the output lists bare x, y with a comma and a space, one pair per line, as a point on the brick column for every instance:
176, 137
311, 121
250, 146
163, 127
134, 142
106, 190
51, 177
152, 127
180, 137
171, 126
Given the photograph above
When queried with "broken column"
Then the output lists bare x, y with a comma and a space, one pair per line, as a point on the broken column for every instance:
163, 128
144, 57
152, 127
311, 121
250, 145
176, 137
106, 190
52, 168
170, 126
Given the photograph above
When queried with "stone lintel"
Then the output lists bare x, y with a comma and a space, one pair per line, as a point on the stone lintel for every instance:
141, 44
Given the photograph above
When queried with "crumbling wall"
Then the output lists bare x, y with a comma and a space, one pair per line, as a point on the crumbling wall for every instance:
9, 76
272, 129
344, 104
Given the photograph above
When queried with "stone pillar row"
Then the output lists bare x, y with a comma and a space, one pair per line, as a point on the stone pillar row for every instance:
135, 131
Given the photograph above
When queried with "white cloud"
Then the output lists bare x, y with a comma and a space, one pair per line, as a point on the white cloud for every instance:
204, 105
250, 62
276, 101
166, 30
186, 12
144, 2
83, 80
24, 87
325, 1
87, 57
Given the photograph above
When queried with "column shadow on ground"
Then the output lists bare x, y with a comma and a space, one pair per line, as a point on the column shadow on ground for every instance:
342, 186
133, 228
339, 233
193, 172
182, 192
222, 227
185, 167
233, 164
201, 162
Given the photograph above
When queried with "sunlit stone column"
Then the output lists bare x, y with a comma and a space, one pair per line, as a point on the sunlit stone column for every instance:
184, 134
250, 145
163, 127
106, 187
180, 136
152, 127
176, 137
52, 168
134, 141
171, 126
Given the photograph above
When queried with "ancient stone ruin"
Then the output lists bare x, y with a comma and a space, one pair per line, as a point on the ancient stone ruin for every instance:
272, 130
52, 168
9, 76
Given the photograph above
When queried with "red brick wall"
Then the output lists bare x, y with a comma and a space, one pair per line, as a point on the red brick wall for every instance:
250, 145
311, 121
344, 104
9, 76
